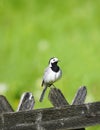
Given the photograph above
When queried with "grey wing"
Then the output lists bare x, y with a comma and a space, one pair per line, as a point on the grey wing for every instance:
44, 76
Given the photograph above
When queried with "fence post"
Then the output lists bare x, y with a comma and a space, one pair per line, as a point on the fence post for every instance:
58, 100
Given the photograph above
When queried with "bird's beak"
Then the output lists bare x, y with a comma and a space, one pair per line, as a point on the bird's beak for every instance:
58, 61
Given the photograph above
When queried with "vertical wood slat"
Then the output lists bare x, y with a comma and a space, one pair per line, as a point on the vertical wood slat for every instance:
57, 98
27, 102
80, 98
4, 105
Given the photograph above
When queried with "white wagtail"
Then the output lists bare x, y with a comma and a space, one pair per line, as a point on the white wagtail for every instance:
51, 74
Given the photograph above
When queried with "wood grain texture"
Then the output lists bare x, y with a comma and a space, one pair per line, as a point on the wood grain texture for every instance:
62, 117
4, 105
58, 100
68, 117
80, 96
27, 102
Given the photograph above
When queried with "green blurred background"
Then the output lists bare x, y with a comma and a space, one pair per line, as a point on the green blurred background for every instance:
32, 31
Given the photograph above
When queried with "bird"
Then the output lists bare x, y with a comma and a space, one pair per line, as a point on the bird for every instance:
51, 74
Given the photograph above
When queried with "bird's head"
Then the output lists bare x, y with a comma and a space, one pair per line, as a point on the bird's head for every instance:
52, 61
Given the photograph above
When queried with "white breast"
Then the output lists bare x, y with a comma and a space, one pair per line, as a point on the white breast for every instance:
51, 76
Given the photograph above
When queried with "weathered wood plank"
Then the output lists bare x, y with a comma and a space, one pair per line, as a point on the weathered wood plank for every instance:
58, 100
4, 105
70, 117
27, 102
1, 122
80, 96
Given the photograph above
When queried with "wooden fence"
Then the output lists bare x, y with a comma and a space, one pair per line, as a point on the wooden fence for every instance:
62, 116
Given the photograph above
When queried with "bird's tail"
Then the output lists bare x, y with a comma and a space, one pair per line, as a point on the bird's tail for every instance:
42, 94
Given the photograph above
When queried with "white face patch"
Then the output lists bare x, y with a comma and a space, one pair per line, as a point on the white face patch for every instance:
53, 60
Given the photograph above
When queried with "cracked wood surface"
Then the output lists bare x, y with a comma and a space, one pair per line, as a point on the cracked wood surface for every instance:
68, 117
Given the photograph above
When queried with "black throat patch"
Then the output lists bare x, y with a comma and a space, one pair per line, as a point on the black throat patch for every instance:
55, 67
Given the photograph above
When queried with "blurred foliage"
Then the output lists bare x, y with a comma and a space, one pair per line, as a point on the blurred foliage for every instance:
33, 31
